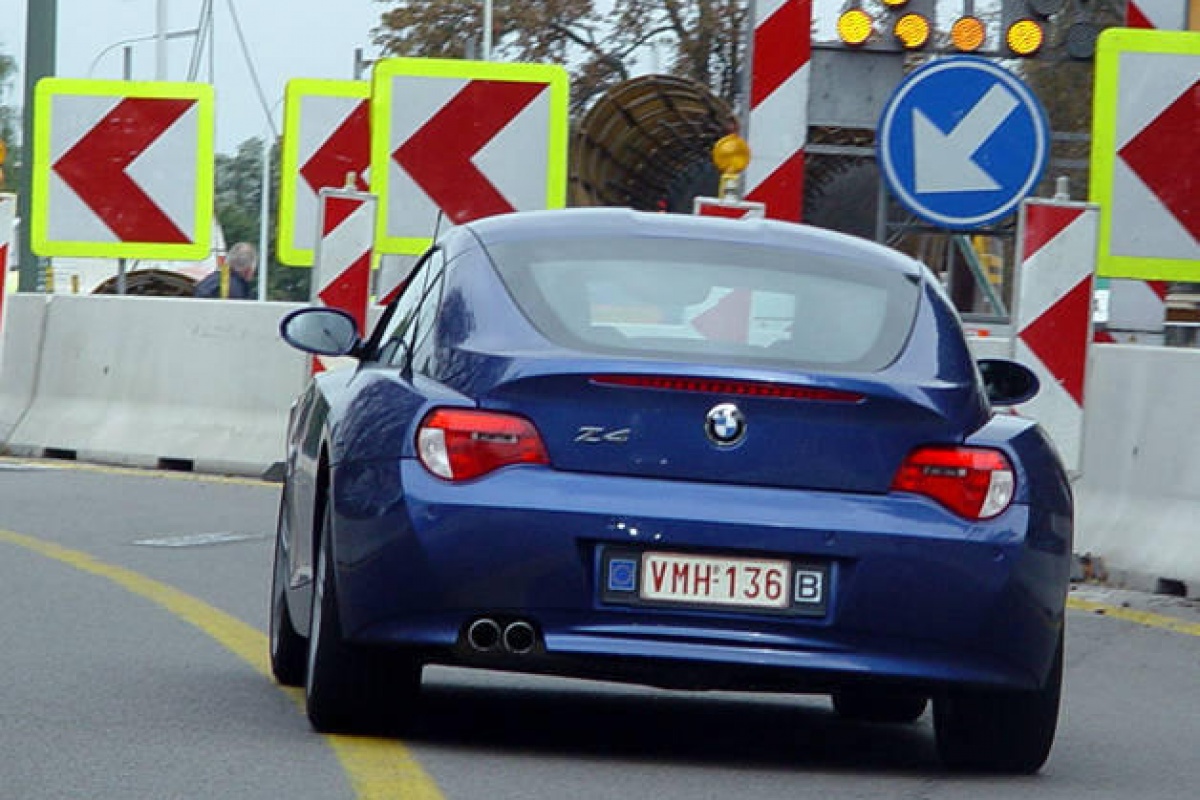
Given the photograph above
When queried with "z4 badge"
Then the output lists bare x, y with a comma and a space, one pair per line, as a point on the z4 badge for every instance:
594, 434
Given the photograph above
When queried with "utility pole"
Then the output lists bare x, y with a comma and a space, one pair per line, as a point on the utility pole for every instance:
487, 30
41, 39
160, 45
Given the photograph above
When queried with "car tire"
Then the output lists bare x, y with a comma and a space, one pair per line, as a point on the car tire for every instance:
873, 705
1004, 732
288, 649
350, 688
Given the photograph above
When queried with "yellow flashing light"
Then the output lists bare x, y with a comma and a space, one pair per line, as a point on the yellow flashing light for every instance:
1024, 37
895, 3
967, 34
854, 26
731, 154
912, 31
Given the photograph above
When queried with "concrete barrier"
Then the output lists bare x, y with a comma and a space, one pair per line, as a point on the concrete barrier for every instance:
207, 385
20, 357
158, 382
1138, 502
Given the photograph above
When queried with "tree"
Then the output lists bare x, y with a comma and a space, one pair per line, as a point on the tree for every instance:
1064, 85
702, 39
238, 201
9, 120
239, 191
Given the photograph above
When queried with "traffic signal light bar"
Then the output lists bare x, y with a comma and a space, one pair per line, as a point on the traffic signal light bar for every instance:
908, 25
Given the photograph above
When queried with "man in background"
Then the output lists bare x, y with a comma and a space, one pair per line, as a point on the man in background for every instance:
240, 264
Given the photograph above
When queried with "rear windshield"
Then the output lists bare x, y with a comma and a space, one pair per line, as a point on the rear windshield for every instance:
704, 300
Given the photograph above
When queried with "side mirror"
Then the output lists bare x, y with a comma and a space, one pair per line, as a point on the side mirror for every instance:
1007, 382
321, 331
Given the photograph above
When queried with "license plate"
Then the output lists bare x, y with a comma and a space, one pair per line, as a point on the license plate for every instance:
742, 582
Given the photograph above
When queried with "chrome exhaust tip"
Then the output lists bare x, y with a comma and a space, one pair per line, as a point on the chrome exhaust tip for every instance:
519, 638
484, 635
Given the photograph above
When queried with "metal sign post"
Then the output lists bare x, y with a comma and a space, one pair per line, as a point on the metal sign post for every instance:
41, 43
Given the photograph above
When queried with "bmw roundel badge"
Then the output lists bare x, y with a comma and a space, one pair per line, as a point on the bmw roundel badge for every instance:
725, 424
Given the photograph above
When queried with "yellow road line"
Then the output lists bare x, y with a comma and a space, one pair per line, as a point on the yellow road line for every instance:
1148, 618
376, 768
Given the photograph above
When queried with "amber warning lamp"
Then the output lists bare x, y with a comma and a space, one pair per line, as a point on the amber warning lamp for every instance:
967, 34
912, 31
1024, 37
731, 155
854, 27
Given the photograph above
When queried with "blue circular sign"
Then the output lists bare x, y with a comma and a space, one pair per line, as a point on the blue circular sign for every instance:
962, 141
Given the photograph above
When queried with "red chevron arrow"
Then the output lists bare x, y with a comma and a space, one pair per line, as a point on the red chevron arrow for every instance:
348, 149
438, 156
95, 168
350, 290
1162, 149
1059, 337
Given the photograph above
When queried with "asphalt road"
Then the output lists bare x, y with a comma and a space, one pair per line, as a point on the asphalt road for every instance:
133, 664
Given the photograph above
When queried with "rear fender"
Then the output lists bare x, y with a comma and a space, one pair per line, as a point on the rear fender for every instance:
1042, 482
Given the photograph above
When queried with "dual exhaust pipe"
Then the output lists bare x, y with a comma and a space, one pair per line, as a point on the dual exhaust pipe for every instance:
486, 635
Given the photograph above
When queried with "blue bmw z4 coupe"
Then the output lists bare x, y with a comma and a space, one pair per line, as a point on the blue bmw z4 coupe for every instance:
686, 452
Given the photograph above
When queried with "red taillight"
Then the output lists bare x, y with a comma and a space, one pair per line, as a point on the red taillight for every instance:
972, 482
460, 443
780, 391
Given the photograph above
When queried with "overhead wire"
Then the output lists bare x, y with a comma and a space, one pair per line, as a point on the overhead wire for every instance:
262, 97
203, 37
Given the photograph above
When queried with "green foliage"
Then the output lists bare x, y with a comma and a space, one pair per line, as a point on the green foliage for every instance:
239, 191
10, 122
696, 39
239, 210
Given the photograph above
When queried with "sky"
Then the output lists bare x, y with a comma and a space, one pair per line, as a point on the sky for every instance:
286, 39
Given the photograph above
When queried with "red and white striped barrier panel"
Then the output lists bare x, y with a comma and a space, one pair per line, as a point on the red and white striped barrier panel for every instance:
1163, 15
394, 270
342, 267
778, 124
8, 215
1057, 248
728, 209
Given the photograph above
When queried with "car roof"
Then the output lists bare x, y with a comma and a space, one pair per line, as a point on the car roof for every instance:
573, 223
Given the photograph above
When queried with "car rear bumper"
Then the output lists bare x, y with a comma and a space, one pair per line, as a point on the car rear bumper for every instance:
916, 596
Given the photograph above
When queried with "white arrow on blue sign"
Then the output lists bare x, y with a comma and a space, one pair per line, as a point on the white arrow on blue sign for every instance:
962, 141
